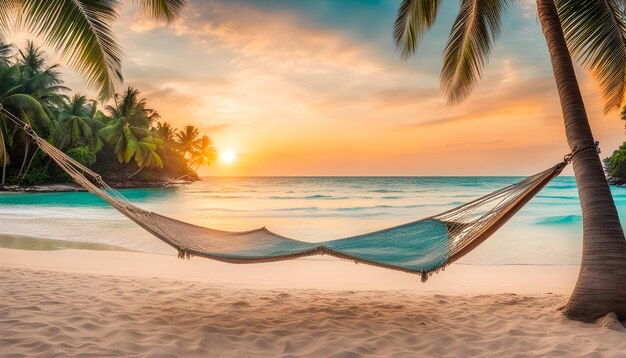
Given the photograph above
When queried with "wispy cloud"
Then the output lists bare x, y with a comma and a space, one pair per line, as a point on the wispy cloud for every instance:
303, 88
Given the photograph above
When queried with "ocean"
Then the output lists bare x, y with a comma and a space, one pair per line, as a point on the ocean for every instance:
546, 232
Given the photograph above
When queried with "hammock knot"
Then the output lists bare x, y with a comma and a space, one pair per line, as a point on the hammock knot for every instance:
28, 129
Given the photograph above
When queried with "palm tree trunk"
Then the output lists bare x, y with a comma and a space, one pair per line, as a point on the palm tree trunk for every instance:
26, 148
132, 175
601, 285
4, 157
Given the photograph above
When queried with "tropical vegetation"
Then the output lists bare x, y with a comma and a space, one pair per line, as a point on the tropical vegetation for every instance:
594, 33
122, 140
615, 165
81, 31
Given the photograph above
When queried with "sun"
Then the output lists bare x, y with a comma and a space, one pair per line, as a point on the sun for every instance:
227, 156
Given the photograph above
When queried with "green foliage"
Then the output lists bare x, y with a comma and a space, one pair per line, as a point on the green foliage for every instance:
595, 32
615, 165
187, 139
413, 20
203, 152
129, 130
84, 155
81, 32
78, 124
125, 142
35, 176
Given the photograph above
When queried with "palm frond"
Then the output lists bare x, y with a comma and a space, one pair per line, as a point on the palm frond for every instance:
132, 144
167, 10
476, 26
595, 32
6, 50
29, 110
81, 32
414, 18
111, 132
8, 10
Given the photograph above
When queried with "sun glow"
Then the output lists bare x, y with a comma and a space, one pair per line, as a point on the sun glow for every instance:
228, 156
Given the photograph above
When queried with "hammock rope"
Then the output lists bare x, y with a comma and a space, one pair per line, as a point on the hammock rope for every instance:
423, 247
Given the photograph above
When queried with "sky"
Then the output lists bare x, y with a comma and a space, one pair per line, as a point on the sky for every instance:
317, 88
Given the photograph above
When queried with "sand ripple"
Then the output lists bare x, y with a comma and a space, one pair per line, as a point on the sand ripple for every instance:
51, 313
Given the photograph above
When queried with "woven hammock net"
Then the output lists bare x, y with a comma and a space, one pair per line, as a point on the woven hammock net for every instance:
423, 247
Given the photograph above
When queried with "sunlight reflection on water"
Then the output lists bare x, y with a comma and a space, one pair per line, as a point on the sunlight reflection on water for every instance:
547, 231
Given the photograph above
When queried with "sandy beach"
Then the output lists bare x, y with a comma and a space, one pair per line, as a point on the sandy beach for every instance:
112, 303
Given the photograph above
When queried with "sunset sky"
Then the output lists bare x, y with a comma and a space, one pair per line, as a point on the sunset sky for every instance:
317, 88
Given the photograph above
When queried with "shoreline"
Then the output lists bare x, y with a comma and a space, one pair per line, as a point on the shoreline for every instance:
306, 273
71, 187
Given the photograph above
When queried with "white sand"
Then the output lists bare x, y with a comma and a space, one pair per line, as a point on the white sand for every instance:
74, 302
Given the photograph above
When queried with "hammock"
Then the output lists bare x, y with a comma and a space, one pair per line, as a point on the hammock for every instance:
422, 247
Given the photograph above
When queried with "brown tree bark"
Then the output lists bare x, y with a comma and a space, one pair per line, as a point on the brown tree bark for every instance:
601, 285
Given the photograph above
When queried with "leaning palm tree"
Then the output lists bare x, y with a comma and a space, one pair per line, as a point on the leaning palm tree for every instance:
81, 31
204, 153
165, 132
186, 139
595, 32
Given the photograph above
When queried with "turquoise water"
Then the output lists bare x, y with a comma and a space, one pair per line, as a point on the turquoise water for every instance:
547, 231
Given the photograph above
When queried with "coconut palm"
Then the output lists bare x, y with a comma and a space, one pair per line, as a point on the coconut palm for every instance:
81, 30
595, 32
78, 124
165, 132
25, 86
39, 80
187, 139
204, 153
129, 130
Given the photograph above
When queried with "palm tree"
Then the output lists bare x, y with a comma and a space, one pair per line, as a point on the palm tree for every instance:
165, 132
78, 124
26, 86
40, 82
129, 130
204, 153
81, 30
595, 32
186, 139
